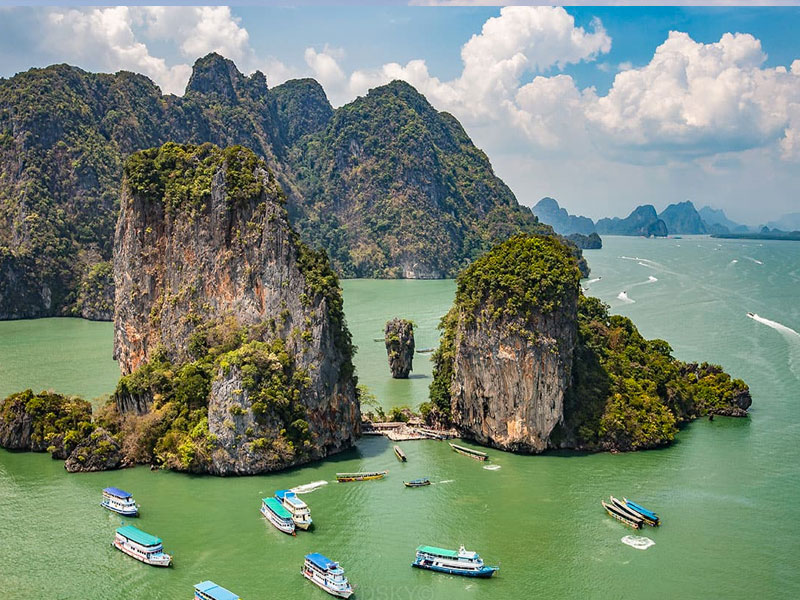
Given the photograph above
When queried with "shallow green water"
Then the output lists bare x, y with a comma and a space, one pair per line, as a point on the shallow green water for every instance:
727, 491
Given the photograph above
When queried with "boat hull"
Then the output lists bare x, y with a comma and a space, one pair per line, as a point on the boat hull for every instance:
483, 572
278, 523
163, 560
473, 454
305, 526
365, 477
622, 518
647, 516
121, 511
333, 592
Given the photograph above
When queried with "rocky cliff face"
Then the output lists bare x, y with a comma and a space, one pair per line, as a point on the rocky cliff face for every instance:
683, 218
398, 337
512, 333
211, 280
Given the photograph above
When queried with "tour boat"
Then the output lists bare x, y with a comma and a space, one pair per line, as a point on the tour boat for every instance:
477, 455
342, 477
120, 502
647, 516
301, 515
327, 574
461, 562
208, 590
141, 546
417, 482
401, 456
623, 516
277, 515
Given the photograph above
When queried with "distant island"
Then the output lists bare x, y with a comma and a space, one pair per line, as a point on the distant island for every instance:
764, 234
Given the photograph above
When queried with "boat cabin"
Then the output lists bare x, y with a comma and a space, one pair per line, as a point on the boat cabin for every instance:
119, 501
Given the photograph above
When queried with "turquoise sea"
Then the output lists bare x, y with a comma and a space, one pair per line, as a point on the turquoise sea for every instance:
728, 491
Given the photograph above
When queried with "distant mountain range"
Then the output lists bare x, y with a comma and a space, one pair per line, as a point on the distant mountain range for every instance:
548, 211
790, 222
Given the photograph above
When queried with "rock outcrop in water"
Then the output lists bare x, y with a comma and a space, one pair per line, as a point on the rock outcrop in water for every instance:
399, 339
526, 363
683, 217
229, 331
643, 221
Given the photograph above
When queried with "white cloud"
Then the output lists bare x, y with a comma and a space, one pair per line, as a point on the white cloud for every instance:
325, 67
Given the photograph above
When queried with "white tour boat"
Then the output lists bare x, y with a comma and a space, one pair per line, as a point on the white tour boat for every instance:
301, 515
327, 574
277, 515
120, 502
141, 546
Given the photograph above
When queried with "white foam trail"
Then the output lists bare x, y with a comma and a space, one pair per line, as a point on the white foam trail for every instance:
624, 297
447, 481
758, 262
775, 325
596, 279
652, 279
492, 467
308, 487
637, 541
734, 261
641, 264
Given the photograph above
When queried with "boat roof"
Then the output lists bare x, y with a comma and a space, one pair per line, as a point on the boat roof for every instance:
116, 492
438, 551
276, 507
323, 562
361, 473
420, 480
641, 509
217, 592
465, 449
138, 536
290, 497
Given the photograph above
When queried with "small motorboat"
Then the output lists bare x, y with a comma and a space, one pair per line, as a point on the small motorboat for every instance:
417, 482
647, 516
452, 562
623, 516
463, 450
208, 590
327, 574
120, 502
398, 452
365, 476
141, 545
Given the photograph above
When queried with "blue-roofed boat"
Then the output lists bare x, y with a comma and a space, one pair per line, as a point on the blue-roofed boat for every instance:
120, 502
208, 590
277, 515
461, 562
648, 516
327, 574
301, 515
141, 546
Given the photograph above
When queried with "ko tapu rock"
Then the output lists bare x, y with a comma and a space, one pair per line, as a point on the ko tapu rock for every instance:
229, 331
527, 363
399, 339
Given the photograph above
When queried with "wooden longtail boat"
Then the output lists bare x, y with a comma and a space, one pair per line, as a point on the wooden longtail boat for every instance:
476, 454
401, 456
366, 476
417, 482
625, 518
647, 516
623, 508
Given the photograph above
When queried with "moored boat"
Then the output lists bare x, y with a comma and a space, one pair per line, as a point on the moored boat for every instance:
301, 515
276, 514
327, 574
647, 516
141, 546
398, 452
208, 590
365, 476
460, 562
476, 454
417, 482
622, 516
120, 502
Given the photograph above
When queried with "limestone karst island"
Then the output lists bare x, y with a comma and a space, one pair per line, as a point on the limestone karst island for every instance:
399, 301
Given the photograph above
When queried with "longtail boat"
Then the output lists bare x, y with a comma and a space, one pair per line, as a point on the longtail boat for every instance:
623, 517
401, 456
622, 507
366, 476
476, 454
647, 516
452, 562
417, 482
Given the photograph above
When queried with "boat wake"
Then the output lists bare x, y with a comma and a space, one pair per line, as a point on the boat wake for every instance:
758, 262
637, 541
734, 261
775, 325
624, 297
492, 467
595, 280
447, 481
308, 487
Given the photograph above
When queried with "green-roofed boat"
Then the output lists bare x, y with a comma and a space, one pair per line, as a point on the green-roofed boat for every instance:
476, 454
141, 546
453, 562
278, 515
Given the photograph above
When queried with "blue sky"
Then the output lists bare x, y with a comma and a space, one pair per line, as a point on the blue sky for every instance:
600, 107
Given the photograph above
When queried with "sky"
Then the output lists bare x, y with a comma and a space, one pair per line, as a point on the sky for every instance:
603, 108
